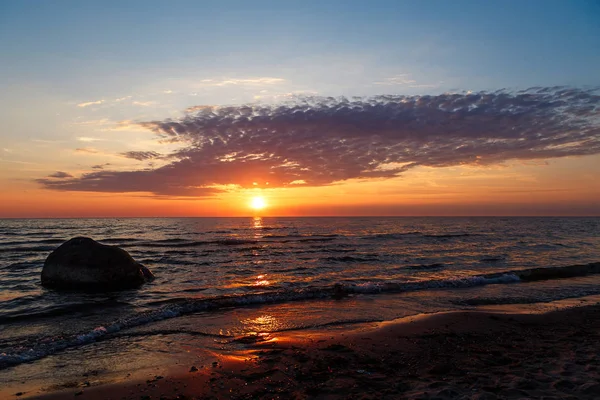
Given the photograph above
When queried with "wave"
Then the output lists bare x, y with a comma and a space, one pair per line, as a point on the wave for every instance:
233, 242
397, 235
27, 249
274, 238
172, 309
50, 244
402, 235
22, 266
332, 235
350, 259
425, 267
176, 243
493, 258
58, 310
31, 242
19, 233
451, 235
171, 240
119, 240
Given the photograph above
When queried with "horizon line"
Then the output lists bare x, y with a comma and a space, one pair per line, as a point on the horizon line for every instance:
316, 216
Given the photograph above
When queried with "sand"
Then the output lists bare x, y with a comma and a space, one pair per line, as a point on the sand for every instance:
470, 355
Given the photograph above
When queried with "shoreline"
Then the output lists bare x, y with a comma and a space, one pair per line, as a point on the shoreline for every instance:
512, 352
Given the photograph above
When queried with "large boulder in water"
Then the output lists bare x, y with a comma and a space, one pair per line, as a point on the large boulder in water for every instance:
84, 264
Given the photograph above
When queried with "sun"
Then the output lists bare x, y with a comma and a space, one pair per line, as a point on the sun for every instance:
258, 203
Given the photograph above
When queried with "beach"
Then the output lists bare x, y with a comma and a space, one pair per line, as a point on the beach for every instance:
460, 354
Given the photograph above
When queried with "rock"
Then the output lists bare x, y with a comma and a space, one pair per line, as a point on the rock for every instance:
84, 264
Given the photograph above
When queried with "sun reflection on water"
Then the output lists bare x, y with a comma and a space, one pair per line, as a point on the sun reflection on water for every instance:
263, 324
257, 227
261, 281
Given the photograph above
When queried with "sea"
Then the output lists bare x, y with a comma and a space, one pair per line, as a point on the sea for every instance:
224, 282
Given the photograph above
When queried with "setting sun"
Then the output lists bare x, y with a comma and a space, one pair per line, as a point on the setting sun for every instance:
258, 203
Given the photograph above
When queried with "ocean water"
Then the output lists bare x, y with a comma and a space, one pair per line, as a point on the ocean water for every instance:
219, 279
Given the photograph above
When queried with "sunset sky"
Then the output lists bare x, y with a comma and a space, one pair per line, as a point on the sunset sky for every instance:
192, 108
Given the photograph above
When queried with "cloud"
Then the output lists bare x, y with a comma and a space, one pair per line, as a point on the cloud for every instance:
250, 81
88, 150
161, 181
60, 174
125, 125
144, 103
141, 155
401, 79
404, 80
315, 141
90, 103
88, 139
94, 122
100, 166
198, 108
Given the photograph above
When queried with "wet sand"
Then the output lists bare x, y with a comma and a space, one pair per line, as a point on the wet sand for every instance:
471, 355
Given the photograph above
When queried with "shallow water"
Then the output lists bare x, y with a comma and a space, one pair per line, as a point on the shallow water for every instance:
218, 278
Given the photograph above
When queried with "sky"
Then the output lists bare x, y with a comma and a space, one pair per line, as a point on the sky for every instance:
317, 108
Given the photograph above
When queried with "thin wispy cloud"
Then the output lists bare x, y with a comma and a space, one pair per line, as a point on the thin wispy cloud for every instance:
88, 150
144, 103
125, 125
92, 122
107, 125
87, 139
247, 81
405, 80
316, 141
18, 162
60, 175
402, 79
100, 166
46, 141
141, 155
90, 103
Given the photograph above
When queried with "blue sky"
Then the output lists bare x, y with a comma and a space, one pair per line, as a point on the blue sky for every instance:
82, 49
78, 77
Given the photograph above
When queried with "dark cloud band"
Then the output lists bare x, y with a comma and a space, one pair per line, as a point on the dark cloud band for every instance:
60, 175
316, 141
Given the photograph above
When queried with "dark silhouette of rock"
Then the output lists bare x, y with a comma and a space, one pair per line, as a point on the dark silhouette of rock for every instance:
84, 264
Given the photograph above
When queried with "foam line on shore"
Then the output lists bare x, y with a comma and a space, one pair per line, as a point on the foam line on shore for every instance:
51, 345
